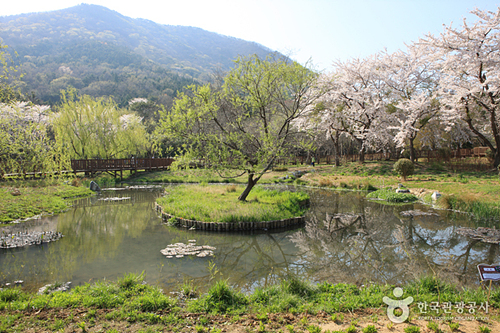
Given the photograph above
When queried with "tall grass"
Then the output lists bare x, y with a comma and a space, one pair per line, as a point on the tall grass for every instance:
215, 203
467, 203
221, 298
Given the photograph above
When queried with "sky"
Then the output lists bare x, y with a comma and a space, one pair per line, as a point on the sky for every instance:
318, 31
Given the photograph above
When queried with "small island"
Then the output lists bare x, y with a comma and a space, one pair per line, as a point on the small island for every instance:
216, 207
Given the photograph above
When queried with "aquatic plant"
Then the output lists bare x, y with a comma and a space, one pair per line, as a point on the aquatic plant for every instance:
390, 195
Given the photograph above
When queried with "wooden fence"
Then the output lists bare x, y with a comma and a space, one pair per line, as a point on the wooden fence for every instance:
454, 156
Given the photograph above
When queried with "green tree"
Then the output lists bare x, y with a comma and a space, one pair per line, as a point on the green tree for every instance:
404, 167
26, 145
97, 128
243, 121
7, 68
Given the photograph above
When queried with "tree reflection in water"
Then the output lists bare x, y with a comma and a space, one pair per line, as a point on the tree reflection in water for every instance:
368, 241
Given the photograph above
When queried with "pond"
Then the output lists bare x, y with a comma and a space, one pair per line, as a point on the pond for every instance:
346, 238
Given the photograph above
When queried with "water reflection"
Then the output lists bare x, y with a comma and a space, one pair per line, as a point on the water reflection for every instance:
345, 239
348, 238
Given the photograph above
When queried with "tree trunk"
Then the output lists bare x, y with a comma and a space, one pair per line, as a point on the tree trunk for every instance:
250, 184
412, 150
496, 162
362, 153
336, 147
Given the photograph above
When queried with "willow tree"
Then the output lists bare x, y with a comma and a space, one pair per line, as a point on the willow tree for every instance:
243, 121
97, 128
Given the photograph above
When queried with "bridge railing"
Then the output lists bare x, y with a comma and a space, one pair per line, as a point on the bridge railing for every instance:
93, 165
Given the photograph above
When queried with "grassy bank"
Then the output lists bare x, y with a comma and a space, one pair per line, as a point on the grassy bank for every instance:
220, 203
129, 305
26, 199
474, 191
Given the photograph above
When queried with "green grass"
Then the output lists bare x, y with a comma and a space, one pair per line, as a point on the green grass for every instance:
129, 300
390, 195
479, 209
412, 329
35, 200
219, 203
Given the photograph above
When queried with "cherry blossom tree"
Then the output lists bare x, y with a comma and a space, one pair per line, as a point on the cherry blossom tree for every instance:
411, 83
468, 58
26, 146
362, 96
354, 104
324, 118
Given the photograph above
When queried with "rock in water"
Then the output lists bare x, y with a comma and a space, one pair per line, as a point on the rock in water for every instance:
51, 288
94, 187
436, 195
179, 250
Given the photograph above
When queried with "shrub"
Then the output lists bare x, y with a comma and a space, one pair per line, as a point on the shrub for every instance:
404, 167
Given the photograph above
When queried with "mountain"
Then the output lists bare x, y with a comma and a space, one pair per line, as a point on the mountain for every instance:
103, 53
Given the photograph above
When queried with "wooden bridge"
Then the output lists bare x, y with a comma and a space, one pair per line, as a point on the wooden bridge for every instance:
113, 166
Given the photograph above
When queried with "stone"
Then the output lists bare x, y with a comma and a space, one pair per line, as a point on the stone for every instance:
417, 212
51, 288
115, 199
436, 195
15, 192
94, 187
21, 239
179, 250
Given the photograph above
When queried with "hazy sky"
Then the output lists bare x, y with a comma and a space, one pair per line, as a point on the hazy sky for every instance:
320, 30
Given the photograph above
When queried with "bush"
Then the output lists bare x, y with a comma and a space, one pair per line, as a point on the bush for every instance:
404, 167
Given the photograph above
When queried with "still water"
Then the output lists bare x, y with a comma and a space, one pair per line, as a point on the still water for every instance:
346, 238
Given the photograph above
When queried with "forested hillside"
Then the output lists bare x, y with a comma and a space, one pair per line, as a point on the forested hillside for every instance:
103, 53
